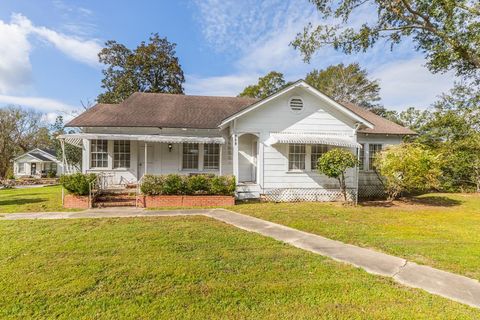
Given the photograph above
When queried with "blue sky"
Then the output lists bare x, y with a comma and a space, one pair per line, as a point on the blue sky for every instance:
48, 49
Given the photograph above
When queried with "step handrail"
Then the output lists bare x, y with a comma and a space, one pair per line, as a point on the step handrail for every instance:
138, 192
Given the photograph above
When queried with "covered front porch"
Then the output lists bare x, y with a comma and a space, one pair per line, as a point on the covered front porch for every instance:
126, 158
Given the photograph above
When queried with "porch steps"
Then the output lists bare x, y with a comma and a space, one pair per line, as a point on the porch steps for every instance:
116, 197
246, 191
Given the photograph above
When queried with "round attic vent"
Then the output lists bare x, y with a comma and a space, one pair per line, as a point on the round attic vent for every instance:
296, 104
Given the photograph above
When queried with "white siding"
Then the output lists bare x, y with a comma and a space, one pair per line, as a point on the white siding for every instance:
276, 116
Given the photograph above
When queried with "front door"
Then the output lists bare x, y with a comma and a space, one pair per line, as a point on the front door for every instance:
33, 169
141, 159
247, 158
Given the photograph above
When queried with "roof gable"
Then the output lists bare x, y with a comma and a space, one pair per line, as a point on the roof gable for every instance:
40, 154
300, 84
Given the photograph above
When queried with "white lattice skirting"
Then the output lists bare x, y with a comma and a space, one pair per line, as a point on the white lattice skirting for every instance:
313, 194
371, 192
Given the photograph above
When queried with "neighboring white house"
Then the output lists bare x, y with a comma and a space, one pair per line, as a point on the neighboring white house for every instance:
271, 145
37, 163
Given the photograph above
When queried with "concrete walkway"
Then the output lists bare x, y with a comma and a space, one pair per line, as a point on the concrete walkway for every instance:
445, 284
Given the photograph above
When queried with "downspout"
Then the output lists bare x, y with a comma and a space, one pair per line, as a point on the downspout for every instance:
357, 169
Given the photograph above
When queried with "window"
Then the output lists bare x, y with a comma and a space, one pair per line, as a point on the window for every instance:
121, 154
296, 104
373, 149
52, 167
190, 156
317, 151
361, 165
21, 167
99, 154
211, 156
296, 157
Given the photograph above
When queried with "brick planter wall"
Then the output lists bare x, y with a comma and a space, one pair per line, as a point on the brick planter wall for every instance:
71, 201
185, 201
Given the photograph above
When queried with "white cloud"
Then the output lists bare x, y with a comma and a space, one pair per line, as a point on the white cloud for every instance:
407, 83
38, 103
15, 67
83, 50
16, 48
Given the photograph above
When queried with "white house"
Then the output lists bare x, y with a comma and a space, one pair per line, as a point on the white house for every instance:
271, 145
37, 163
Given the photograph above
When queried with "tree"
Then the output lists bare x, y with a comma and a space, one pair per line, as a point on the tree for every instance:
267, 85
334, 164
408, 168
73, 154
20, 131
447, 31
346, 84
151, 67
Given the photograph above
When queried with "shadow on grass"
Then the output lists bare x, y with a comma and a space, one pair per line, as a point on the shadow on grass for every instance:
19, 202
435, 201
432, 201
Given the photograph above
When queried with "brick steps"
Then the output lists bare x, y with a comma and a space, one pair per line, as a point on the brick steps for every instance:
116, 198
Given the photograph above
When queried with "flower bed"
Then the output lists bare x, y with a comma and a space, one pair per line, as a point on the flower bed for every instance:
187, 191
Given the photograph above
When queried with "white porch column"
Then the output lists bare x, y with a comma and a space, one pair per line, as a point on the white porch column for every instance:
235, 156
146, 159
220, 160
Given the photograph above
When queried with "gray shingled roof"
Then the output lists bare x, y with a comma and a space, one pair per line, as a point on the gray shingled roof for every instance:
162, 110
199, 112
381, 125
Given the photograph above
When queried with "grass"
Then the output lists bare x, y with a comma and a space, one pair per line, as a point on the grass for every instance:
440, 230
187, 268
41, 199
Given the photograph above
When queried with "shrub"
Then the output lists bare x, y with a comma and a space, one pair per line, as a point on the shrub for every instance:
198, 184
152, 185
408, 168
334, 164
51, 174
173, 184
223, 185
77, 183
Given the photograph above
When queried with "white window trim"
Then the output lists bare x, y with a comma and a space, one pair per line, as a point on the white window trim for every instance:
129, 154
200, 161
109, 157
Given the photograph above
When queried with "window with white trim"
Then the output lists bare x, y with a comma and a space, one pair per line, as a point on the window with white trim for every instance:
317, 151
361, 164
121, 154
296, 157
373, 149
190, 156
99, 154
211, 156
21, 167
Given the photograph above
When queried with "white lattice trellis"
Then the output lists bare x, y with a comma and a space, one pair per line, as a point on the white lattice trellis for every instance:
310, 194
371, 192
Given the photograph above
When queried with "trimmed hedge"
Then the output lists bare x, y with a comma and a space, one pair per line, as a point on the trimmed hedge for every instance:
175, 184
77, 183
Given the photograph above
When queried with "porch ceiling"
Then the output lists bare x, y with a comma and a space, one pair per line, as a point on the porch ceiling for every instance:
312, 138
75, 138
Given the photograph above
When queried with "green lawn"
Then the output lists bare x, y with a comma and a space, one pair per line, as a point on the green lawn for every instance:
188, 267
41, 199
440, 230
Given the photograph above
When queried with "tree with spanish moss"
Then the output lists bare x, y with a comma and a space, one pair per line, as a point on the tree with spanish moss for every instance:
446, 31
